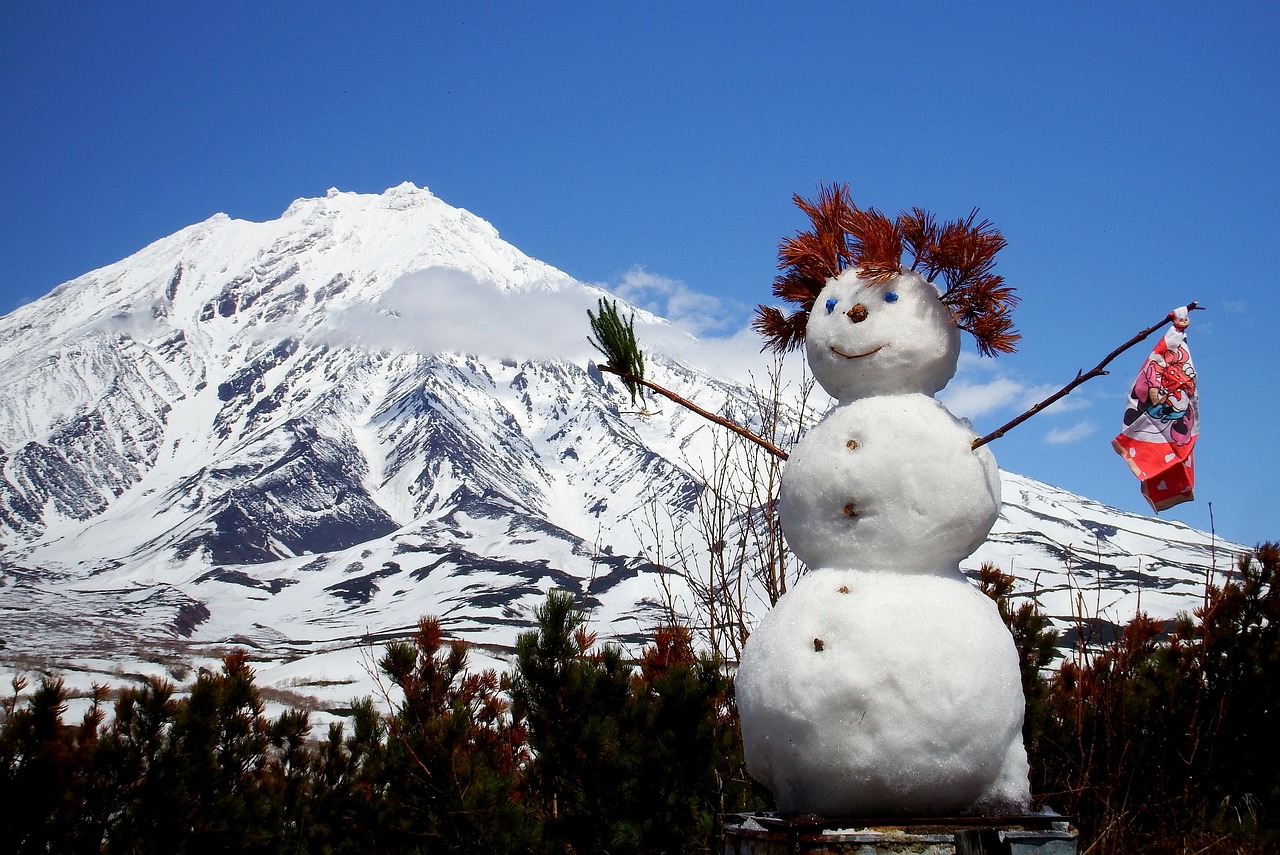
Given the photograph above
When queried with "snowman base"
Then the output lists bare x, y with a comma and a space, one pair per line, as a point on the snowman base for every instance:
885, 694
769, 834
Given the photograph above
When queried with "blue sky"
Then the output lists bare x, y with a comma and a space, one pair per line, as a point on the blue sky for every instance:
1127, 151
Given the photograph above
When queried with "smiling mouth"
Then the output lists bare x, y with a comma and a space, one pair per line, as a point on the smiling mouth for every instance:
838, 352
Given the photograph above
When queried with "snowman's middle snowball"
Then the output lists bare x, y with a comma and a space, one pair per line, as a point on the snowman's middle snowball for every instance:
889, 482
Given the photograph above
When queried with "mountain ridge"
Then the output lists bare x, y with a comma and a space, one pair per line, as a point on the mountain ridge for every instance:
298, 433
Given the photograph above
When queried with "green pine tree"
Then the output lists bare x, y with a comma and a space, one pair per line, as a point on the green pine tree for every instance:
451, 772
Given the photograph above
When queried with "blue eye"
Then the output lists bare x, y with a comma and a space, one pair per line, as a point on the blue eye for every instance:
891, 296
831, 305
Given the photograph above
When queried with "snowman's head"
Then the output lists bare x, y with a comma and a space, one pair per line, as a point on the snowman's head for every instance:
881, 338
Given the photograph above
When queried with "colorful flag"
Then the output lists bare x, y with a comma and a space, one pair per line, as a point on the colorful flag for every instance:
1162, 420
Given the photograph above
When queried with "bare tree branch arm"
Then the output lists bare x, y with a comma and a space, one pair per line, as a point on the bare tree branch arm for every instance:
1098, 371
684, 402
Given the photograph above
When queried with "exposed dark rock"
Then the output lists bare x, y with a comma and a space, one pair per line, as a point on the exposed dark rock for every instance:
360, 589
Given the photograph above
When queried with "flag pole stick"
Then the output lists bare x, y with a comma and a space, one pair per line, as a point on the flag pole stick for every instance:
1097, 371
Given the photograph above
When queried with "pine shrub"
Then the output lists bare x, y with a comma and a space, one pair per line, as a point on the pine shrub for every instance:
1164, 739
1160, 741
626, 761
449, 778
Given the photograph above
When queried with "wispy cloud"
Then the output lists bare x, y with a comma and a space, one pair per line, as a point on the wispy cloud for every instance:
1075, 433
448, 310
982, 387
700, 314
444, 309
971, 399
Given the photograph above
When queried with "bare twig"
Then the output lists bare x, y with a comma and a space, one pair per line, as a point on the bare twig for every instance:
728, 552
1079, 378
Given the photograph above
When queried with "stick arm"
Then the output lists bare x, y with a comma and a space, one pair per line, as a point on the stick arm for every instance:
1097, 371
686, 403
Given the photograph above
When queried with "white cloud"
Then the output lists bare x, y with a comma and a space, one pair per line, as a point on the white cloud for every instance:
672, 299
970, 399
1078, 399
982, 387
738, 357
1075, 433
445, 309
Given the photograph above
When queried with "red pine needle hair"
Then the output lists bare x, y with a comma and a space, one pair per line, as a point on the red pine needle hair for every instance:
960, 252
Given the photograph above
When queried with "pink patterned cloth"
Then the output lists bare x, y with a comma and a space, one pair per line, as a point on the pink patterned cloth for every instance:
1162, 420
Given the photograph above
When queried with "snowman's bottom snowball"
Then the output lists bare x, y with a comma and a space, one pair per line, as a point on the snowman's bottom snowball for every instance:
882, 694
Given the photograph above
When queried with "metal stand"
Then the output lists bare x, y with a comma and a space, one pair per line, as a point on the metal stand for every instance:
769, 834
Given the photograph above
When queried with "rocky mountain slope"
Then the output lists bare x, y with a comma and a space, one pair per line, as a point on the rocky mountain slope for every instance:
301, 435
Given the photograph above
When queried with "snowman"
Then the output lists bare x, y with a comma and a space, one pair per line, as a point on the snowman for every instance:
884, 683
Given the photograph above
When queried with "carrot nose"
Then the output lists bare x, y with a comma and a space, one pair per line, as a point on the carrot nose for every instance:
857, 314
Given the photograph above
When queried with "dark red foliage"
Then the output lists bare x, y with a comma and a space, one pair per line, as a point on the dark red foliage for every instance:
961, 253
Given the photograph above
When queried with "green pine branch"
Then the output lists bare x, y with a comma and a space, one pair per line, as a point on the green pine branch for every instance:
616, 340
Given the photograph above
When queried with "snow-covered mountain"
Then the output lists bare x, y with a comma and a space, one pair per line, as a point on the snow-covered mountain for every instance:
302, 435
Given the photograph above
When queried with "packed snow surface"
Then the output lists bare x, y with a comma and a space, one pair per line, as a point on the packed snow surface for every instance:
904, 342
884, 683
889, 482
884, 694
